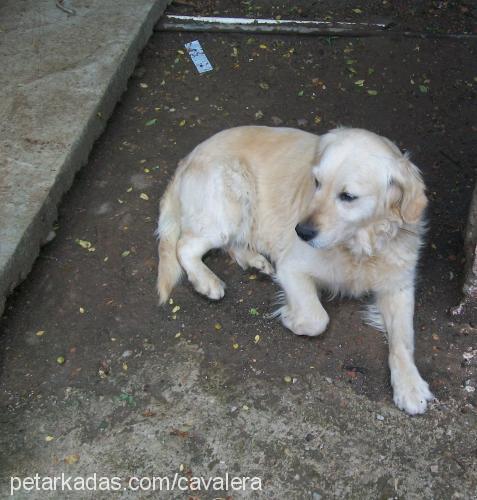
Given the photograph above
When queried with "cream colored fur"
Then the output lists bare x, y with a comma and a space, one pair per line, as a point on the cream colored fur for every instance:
247, 188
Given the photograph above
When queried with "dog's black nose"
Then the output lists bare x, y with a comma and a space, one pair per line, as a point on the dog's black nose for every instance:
305, 232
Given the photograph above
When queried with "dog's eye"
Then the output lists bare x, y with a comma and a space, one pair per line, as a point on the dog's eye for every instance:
344, 196
317, 183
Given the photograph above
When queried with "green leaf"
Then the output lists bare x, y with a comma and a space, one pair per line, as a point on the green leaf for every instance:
151, 122
423, 89
359, 83
372, 92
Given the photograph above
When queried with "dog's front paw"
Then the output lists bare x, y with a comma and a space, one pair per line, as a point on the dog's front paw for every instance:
310, 325
411, 393
261, 263
213, 288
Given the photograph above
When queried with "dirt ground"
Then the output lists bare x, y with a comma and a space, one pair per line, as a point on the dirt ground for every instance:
125, 359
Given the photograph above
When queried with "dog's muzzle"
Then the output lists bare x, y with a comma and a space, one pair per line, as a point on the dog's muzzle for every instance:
306, 232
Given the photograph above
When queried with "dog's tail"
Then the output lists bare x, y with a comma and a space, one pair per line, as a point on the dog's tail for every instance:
168, 232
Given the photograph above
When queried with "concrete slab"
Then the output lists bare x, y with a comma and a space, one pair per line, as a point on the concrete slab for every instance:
64, 74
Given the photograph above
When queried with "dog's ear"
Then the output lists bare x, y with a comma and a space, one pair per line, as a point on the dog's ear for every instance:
406, 192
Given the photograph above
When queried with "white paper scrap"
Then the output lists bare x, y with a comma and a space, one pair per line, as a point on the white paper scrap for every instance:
198, 56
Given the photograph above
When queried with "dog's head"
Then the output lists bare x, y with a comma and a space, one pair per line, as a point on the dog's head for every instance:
363, 185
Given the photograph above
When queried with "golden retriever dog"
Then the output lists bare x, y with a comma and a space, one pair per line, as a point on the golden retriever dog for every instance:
341, 212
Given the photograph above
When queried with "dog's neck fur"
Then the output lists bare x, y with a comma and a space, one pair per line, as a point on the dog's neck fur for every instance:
377, 238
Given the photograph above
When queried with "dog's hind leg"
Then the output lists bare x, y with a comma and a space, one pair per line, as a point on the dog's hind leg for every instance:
246, 258
191, 249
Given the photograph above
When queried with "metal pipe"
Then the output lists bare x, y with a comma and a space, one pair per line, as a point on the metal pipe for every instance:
172, 22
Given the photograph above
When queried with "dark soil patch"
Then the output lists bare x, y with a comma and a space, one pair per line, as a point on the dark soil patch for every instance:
98, 307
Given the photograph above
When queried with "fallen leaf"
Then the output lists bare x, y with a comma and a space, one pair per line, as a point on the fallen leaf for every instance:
179, 433
176, 309
218, 326
253, 311
151, 122
40, 333
72, 459
359, 83
257, 339
84, 244
125, 253
149, 413
423, 89
372, 92
60, 360
144, 196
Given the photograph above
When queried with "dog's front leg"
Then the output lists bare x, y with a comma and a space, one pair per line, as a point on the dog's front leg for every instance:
303, 313
411, 392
